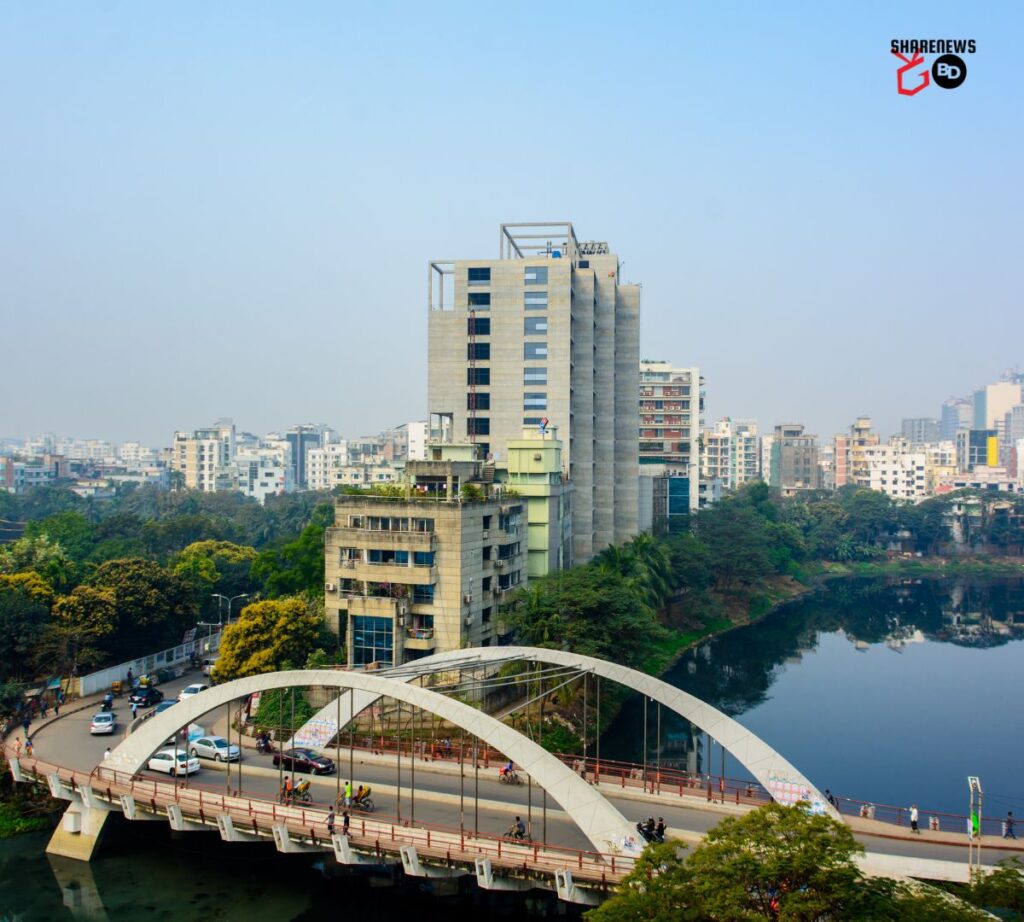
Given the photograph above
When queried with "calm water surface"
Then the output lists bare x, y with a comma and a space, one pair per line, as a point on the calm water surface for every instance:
882, 690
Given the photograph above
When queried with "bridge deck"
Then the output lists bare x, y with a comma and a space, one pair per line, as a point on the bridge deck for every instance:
379, 837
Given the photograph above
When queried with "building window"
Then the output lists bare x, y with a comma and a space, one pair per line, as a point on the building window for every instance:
584, 264
478, 326
531, 420
535, 401
485, 615
535, 351
479, 425
535, 275
478, 401
478, 376
535, 374
373, 640
422, 595
423, 558
479, 276
536, 301
534, 326
478, 352
479, 299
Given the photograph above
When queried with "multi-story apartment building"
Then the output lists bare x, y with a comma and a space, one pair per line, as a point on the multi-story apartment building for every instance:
263, 472
671, 419
976, 448
921, 430
302, 439
732, 453
544, 333
322, 465
418, 432
897, 471
425, 573
850, 460
205, 457
794, 460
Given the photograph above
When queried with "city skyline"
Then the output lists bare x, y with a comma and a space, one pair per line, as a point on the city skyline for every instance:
229, 211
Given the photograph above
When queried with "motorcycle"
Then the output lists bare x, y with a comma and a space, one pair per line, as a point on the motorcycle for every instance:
264, 746
364, 802
649, 834
509, 777
108, 702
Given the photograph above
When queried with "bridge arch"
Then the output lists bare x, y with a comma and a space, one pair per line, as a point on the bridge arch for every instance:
772, 770
597, 819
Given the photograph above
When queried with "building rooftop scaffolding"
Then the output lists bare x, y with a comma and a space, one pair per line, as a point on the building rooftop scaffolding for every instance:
540, 238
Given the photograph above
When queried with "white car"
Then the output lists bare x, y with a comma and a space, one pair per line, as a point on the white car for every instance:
102, 723
216, 748
164, 760
189, 690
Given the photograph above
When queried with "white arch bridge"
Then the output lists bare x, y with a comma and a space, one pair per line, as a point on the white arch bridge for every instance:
119, 783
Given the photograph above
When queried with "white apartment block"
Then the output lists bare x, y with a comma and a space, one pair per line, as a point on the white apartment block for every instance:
263, 472
321, 464
732, 453
897, 472
546, 333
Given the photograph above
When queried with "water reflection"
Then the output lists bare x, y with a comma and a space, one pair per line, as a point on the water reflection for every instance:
817, 680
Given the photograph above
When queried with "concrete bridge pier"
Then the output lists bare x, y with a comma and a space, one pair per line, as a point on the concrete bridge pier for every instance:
81, 827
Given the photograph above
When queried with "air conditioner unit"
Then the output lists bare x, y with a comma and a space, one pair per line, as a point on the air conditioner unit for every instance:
401, 622
329, 587
467, 599
499, 563
486, 535
469, 620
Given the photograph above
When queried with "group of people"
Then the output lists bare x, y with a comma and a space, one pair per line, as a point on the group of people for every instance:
344, 822
651, 831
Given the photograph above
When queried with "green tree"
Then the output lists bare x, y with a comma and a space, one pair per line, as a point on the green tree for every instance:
296, 566
1001, 889
774, 863
23, 617
268, 636
45, 557
79, 634
216, 566
154, 606
737, 542
70, 529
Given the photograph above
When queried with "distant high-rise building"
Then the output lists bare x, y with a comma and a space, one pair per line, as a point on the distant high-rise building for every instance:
544, 334
993, 401
977, 448
957, 414
418, 431
921, 430
732, 452
794, 460
850, 461
301, 439
206, 457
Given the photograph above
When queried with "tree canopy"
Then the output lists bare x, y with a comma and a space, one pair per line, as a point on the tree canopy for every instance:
268, 636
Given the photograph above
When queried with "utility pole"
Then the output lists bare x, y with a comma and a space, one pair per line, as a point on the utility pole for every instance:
974, 829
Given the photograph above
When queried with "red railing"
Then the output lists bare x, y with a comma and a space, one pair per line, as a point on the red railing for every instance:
381, 833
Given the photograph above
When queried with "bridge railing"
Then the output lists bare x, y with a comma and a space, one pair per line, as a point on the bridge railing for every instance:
933, 820
382, 832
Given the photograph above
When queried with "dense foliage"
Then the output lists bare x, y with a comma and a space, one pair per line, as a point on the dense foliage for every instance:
773, 863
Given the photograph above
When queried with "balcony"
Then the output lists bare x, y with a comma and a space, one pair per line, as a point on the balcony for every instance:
419, 638
392, 573
376, 606
382, 540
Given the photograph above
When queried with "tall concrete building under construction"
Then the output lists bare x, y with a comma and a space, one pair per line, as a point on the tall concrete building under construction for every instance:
544, 334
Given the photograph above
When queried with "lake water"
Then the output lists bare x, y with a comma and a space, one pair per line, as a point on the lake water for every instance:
890, 691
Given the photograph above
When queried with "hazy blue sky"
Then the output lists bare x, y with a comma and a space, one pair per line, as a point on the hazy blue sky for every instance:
214, 209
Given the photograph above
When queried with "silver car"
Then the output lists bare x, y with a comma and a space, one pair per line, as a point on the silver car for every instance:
214, 747
102, 723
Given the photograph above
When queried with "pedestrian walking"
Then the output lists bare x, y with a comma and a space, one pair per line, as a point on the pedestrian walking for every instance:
135, 709
29, 747
348, 793
913, 819
106, 754
43, 708
344, 823
26, 723
129, 680
56, 706
831, 798
330, 822
1008, 824
17, 748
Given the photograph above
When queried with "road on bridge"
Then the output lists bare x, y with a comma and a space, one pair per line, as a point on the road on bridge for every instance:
68, 742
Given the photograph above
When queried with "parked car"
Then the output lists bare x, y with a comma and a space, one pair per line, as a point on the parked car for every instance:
189, 690
216, 748
102, 723
304, 760
164, 761
146, 697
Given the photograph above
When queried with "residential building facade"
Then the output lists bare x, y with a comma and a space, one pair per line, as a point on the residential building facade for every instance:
794, 460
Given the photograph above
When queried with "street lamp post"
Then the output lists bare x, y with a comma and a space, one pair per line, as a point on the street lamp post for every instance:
230, 601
